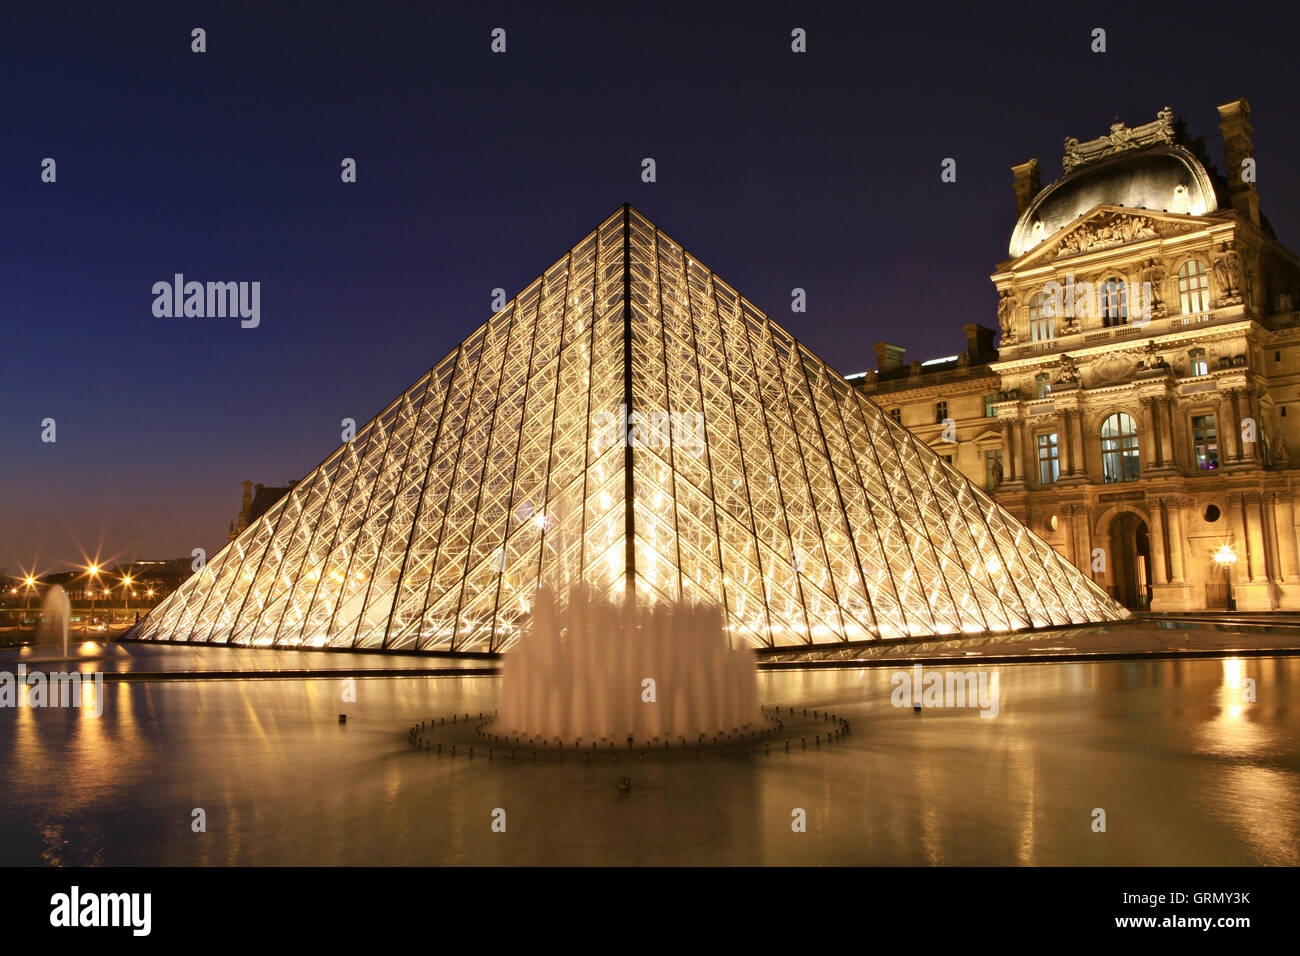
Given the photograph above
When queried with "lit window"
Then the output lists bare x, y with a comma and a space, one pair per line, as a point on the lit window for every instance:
1048, 466
1119, 449
940, 412
1198, 364
1042, 325
1042, 385
989, 410
896, 414
1114, 302
1193, 287
1205, 442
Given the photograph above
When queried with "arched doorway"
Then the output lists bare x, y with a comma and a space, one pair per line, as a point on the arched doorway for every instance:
1130, 555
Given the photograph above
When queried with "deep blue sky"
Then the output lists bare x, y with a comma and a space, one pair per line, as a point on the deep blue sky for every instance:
477, 171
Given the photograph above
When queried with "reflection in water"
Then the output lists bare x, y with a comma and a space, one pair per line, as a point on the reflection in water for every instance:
1188, 771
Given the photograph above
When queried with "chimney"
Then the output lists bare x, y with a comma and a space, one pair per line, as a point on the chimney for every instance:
979, 342
1239, 144
248, 494
889, 358
1027, 183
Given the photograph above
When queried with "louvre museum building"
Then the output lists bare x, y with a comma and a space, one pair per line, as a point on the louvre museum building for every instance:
1135, 410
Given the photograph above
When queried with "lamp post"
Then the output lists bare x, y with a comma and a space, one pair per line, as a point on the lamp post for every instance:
31, 583
126, 592
92, 572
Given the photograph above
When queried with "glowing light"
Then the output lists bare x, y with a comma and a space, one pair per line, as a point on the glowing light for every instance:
1225, 555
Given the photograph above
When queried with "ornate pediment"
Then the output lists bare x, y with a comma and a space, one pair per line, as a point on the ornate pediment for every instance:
1159, 131
1104, 228
1114, 230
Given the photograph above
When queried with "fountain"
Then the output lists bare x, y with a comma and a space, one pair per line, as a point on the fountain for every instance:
599, 672
599, 676
55, 613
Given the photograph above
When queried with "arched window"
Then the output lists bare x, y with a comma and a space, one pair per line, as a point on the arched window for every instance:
1114, 302
1042, 325
1119, 448
1042, 385
1193, 287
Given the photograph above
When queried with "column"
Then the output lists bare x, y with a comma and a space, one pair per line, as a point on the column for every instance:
1254, 529
1176, 541
1008, 465
1067, 525
1229, 436
1237, 521
1164, 410
1080, 461
1285, 511
1250, 405
1063, 444
1272, 547
1234, 396
1159, 559
1083, 541
1149, 440
1018, 447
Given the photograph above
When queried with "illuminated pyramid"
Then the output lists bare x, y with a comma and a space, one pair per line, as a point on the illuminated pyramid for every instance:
633, 419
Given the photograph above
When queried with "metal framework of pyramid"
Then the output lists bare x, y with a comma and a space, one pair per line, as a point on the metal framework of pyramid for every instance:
806, 513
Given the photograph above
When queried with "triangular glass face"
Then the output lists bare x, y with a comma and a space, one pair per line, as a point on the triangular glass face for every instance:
628, 391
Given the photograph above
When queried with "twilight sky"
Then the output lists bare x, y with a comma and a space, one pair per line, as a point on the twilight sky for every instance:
475, 170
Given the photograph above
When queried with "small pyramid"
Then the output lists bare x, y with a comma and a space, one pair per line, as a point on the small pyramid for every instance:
631, 419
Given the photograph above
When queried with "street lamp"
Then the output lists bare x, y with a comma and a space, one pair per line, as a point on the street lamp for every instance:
93, 571
31, 583
126, 592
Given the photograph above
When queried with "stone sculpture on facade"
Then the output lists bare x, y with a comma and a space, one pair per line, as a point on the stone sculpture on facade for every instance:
1152, 275
1006, 313
1227, 274
1067, 371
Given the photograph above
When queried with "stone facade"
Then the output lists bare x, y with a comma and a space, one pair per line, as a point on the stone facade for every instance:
1146, 386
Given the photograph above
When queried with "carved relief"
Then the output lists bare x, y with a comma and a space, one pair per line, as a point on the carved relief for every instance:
1114, 368
1120, 138
1116, 230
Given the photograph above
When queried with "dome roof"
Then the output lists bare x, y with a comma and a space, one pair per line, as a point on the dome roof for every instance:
1163, 178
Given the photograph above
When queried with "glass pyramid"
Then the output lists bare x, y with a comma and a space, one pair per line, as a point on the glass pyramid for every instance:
631, 419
